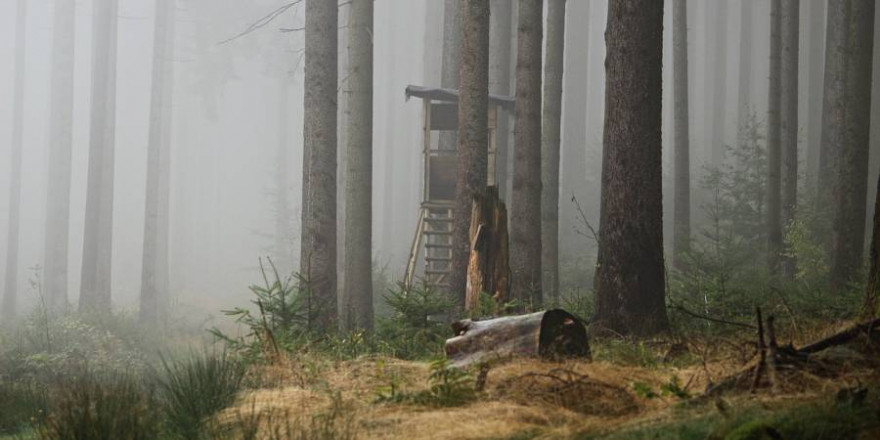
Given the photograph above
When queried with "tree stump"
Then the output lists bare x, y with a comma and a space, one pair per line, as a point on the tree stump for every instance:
488, 268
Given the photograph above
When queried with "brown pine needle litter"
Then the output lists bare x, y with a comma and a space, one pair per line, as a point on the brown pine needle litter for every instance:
315, 397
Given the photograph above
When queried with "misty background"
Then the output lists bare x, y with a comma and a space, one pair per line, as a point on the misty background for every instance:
237, 130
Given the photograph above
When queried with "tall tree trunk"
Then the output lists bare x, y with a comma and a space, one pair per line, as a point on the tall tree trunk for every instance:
357, 295
98, 239
872, 290
10, 286
719, 82
848, 228
774, 149
57, 230
574, 122
814, 104
449, 75
500, 31
525, 218
630, 275
473, 135
154, 268
550, 140
284, 234
682, 229
788, 119
836, 34
744, 89
318, 253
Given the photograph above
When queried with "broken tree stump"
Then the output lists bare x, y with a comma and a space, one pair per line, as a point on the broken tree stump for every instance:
549, 334
488, 269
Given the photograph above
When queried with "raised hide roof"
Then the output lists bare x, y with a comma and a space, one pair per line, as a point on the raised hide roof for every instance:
451, 95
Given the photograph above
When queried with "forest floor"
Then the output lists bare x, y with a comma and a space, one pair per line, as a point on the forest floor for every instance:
632, 390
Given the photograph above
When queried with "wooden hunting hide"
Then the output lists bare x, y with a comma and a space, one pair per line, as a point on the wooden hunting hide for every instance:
488, 269
549, 334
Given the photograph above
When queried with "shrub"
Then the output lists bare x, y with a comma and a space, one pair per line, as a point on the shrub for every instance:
88, 407
196, 389
417, 327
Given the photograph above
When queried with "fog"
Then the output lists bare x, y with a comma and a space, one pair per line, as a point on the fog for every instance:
237, 131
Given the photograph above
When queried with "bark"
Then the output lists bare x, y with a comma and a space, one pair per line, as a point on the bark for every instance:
872, 290
550, 141
57, 230
10, 284
473, 135
574, 121
488, 269
549, 334
630, 276
499, 84
848, 228
154, 269
832, 99
318, 249
357, 294
788, 120
719, 83
814, 104
682, 228
97, 241
774, 152
525, 218
449, 78
745, 69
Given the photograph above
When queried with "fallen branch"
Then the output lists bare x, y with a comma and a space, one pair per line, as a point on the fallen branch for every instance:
842, 337
682, 309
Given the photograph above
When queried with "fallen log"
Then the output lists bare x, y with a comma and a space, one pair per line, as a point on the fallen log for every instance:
549, 334
842, 337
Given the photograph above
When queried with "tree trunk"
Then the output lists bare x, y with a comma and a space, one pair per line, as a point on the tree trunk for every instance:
774, 149
488, 270
499, 84
357, 295
449, 76
154, 269
550, 139
318, 251
745, 69
57, 231
525, 218
98, 238
630, 276
848, 228
814, 103
872, 291
473, 135
719, 83
682, 228
574, 133
788, 120
10, 286
836, 33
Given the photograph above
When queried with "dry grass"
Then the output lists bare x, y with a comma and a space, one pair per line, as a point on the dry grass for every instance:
523, 399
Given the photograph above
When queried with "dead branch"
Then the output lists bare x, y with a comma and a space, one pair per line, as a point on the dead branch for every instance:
762, 351
842, 337
682, 309
262, 22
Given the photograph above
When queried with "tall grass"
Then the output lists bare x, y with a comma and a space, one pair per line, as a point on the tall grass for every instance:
195, 389
88, 407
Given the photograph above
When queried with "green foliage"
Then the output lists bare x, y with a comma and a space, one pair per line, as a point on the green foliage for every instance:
88, 407
673, 388
820, 419
283, 320
197, 388
416, 328
448, 386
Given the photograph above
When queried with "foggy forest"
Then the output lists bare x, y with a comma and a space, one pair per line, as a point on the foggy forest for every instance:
439, 219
